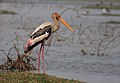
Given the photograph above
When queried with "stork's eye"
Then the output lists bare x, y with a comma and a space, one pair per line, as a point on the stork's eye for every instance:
57, 17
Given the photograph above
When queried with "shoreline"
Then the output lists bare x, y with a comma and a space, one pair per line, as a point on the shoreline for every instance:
83, 76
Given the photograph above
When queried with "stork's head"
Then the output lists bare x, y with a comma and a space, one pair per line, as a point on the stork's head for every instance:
55, 15
59, 18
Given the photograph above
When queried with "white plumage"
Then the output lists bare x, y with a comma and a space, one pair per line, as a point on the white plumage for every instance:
42, 33
39, 38
42, 26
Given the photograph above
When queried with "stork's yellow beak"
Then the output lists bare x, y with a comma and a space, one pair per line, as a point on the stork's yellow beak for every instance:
65, 23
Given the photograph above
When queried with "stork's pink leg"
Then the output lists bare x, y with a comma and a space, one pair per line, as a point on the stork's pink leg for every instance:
44, 69
39, 59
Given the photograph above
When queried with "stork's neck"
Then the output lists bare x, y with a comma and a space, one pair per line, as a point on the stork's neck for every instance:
56, 25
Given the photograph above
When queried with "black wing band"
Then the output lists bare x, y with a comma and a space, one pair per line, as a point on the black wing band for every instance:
42, 31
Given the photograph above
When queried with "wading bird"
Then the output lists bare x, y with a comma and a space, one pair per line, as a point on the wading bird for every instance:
106, 10
42, 33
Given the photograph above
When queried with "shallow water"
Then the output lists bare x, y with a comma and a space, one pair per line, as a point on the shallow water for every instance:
64, 58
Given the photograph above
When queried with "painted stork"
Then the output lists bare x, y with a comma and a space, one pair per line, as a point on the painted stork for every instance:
41, 34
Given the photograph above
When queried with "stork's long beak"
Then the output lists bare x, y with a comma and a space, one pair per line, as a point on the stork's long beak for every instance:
65, 23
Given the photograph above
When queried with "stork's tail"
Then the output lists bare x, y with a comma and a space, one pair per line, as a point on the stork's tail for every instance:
27, 46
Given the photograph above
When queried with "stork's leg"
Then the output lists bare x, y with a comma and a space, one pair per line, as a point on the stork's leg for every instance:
39, 58
44, 69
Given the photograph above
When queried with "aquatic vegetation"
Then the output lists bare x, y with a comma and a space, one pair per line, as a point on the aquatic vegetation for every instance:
102, 6
113, 22
103, 14
7, 12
